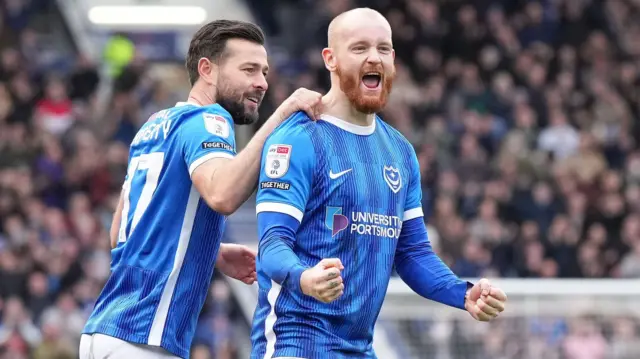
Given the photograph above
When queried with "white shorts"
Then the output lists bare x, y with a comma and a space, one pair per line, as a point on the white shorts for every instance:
100, 346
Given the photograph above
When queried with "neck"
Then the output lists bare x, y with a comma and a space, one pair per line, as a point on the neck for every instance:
336, 104
200, 96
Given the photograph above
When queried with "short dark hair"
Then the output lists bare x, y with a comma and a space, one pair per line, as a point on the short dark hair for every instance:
211, 41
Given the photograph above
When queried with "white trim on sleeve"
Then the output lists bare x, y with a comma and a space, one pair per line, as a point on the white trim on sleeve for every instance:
412, 213
280, 208
206, 158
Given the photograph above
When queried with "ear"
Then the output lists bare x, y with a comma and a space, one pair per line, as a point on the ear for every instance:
208, 71
329, 58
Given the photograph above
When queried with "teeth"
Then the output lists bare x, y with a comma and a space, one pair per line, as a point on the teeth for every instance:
372, 74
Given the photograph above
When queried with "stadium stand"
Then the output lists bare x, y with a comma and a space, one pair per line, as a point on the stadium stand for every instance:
524, 114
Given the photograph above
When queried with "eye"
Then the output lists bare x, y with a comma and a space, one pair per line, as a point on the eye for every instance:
250, 70
384, 49
359, 49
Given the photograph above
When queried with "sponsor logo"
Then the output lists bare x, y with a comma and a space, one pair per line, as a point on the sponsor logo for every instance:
277, 161
363, 223
275, 185
339, 174
335, 221
392, 177
222, 145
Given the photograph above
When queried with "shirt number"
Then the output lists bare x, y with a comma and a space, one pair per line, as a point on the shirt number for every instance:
151, 163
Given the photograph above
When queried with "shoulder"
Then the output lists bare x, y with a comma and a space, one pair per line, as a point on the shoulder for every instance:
298, 128
192, 113
397, 139
213, 118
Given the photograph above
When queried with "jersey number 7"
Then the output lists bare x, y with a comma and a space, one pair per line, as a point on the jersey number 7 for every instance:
151, 163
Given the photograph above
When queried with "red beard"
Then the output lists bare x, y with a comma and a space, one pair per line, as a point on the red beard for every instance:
350, 85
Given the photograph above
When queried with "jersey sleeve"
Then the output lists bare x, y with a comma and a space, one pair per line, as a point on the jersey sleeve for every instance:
413, 204
205, 135
286, 173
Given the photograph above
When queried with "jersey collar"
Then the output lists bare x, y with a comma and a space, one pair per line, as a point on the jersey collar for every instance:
188, 103
350, 127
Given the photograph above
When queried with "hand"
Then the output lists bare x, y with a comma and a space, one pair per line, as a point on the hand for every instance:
323, 281
238, 262
485, 302
301, 100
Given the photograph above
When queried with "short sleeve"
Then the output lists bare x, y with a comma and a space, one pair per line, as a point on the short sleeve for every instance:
413, 203
206, 135
286, 173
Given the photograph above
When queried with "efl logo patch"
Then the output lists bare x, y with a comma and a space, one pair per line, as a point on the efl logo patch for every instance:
216, 125
392, 177
277, 161
335, 221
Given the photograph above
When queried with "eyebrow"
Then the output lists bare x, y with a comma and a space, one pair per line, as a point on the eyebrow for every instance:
366, 42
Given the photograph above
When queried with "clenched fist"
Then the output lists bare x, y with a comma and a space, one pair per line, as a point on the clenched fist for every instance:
484, 302
323, 281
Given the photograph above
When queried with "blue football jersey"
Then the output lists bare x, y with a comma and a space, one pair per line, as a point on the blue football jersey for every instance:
350, 187
169, 238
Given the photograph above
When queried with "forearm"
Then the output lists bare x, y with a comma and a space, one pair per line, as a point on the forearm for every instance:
423, 271
276, 256
281, 264
428, 276
235, 179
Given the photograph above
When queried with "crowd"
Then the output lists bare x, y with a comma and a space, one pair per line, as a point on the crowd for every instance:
523, 114
62, 163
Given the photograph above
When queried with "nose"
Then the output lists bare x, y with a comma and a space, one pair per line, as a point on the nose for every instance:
261, 83
374, 57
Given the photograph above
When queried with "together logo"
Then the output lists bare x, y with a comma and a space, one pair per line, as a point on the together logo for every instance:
335, 221
363, 223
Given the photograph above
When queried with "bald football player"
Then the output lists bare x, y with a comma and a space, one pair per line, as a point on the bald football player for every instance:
339, 205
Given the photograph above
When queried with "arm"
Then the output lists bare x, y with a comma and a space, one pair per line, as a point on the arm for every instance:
283, 266
288, 165
277, 258
415, 261
423, 271
281, 201
115, 223
226, 183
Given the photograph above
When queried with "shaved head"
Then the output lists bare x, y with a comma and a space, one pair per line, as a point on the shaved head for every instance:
360, 58
354, 20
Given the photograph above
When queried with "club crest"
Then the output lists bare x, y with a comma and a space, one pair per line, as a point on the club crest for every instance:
392, 177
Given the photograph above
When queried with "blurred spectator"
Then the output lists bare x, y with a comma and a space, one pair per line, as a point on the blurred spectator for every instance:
585, 341
54, 111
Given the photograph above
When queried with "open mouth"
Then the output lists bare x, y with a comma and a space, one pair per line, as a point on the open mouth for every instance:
371, 80
254, 99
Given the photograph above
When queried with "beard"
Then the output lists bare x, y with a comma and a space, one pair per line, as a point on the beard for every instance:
232, 100
365, 103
